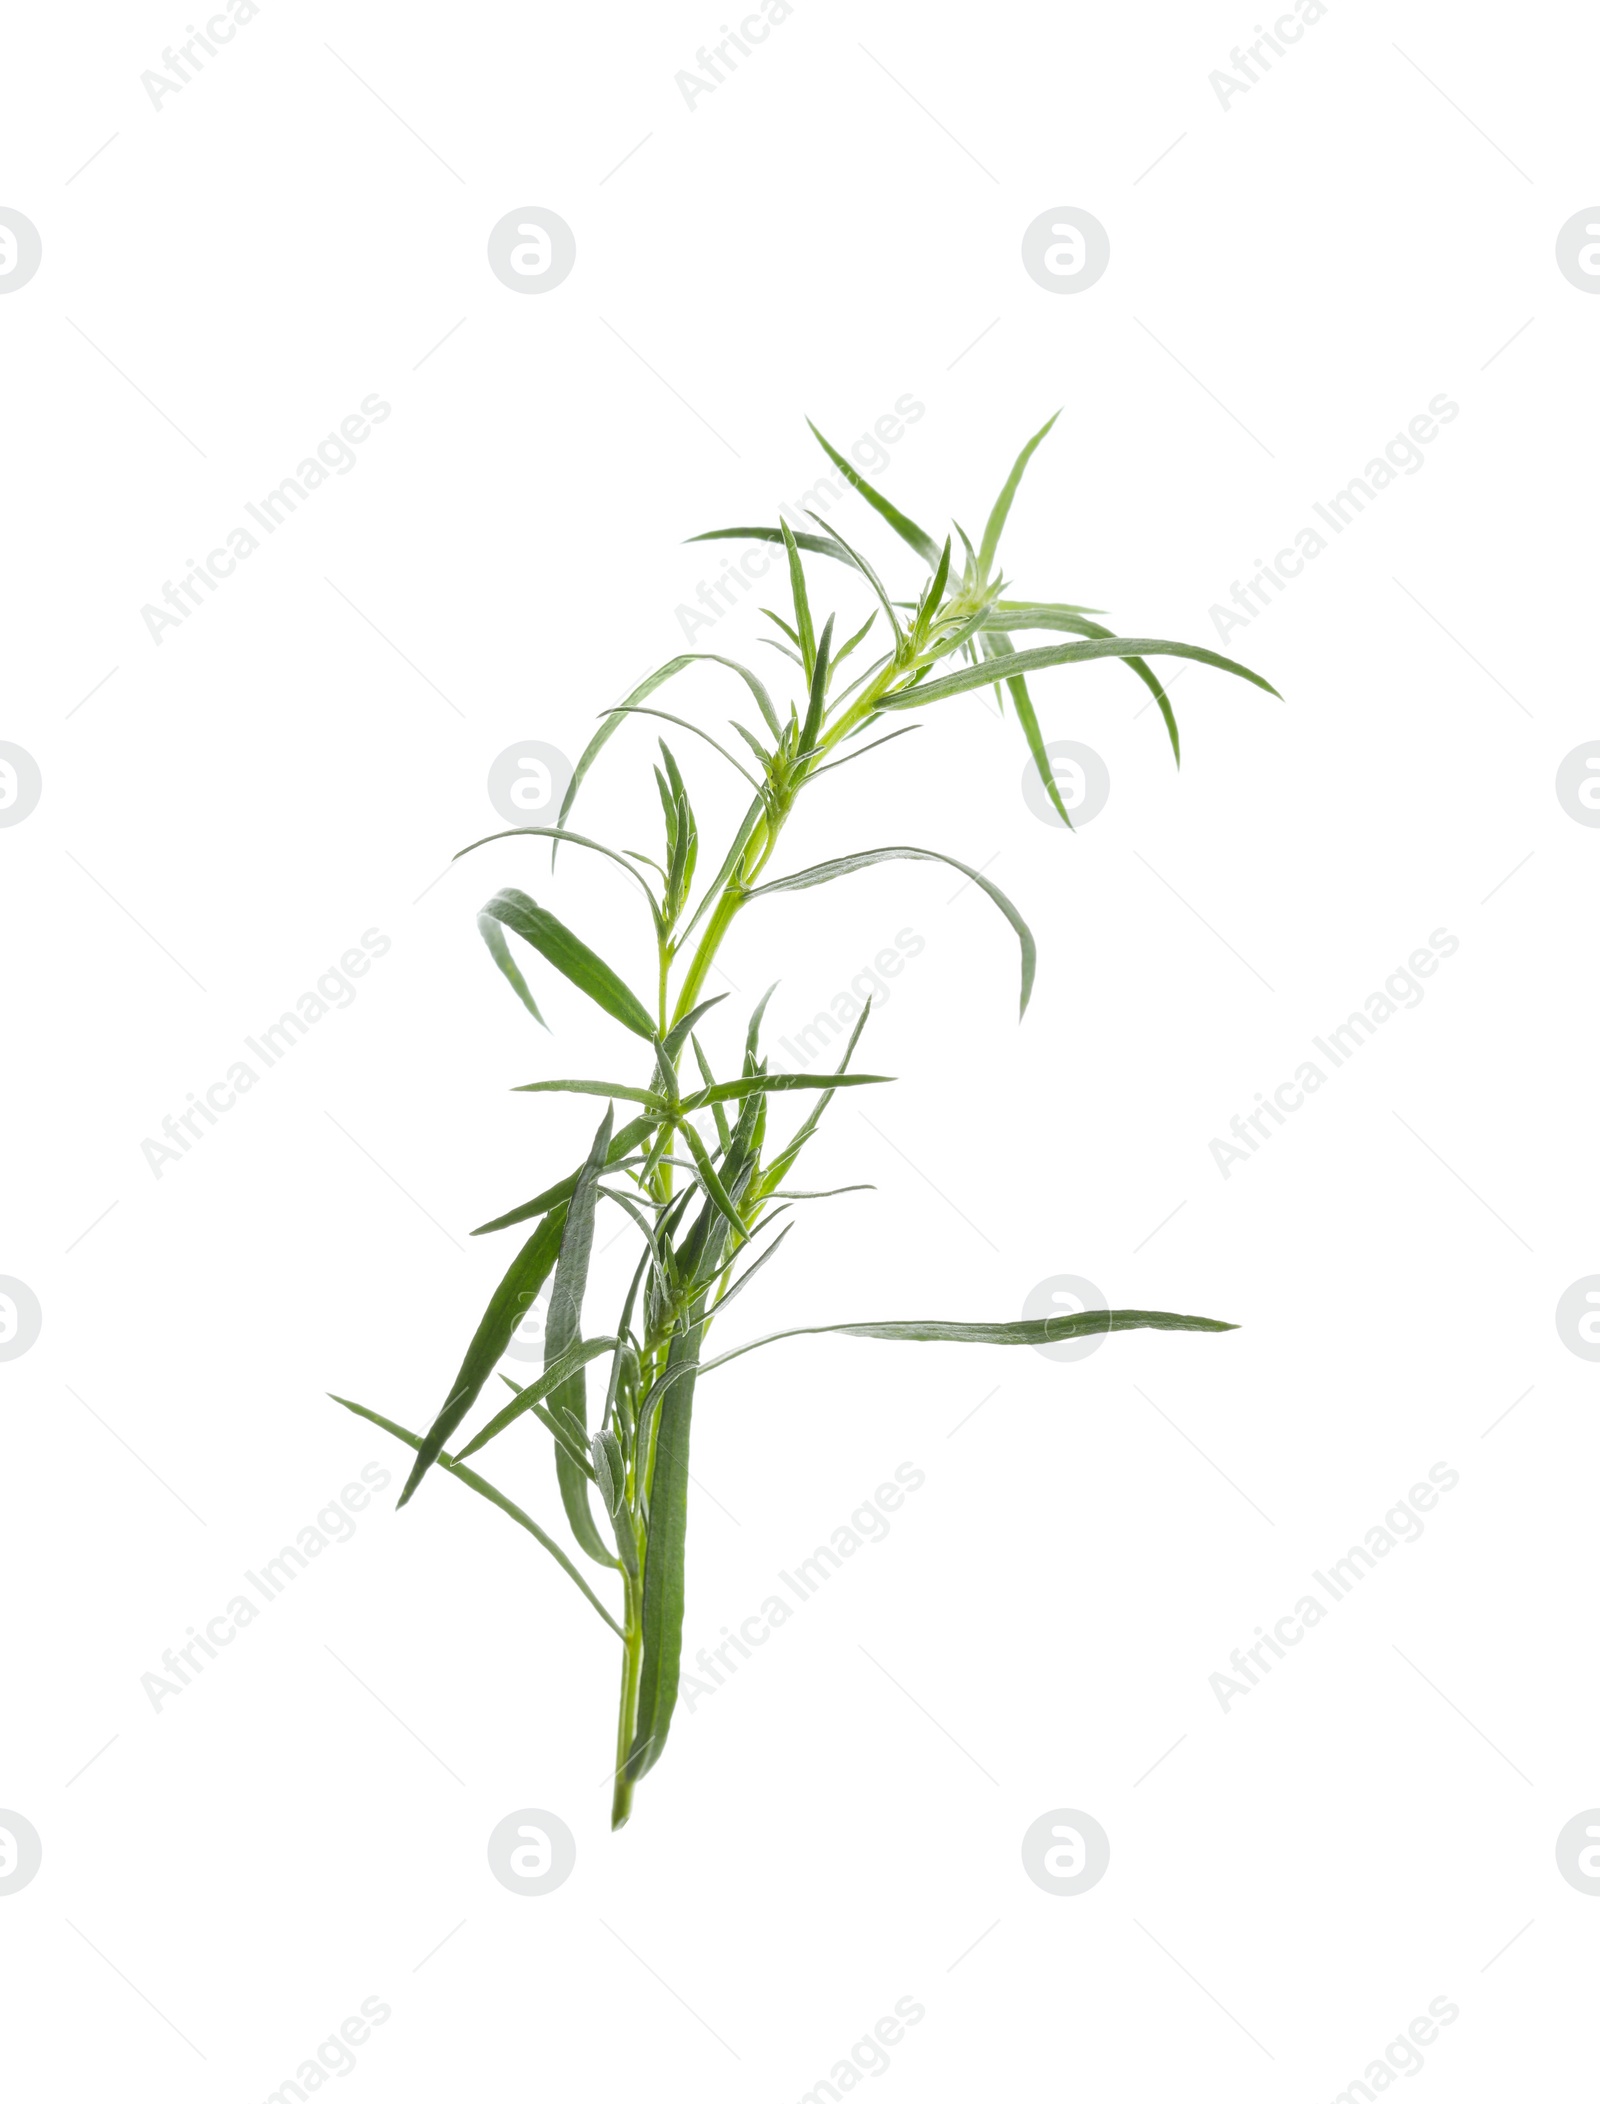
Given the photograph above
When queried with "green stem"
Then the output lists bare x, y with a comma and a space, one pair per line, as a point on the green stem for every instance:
628, 1705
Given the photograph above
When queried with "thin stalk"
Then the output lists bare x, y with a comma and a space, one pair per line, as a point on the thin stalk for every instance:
628, 1705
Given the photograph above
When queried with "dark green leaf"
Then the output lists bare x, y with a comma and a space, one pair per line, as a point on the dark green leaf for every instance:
514, 1295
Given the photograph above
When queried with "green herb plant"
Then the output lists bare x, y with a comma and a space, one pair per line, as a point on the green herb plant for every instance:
696, 1167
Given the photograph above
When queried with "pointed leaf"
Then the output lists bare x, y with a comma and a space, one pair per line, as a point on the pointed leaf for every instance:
1002, 503
908, 529
514, 1295
802, 604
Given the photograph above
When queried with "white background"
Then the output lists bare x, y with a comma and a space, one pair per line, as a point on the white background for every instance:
835, 226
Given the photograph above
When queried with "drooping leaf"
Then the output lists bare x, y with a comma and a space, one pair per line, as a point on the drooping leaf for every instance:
1040, 660
812, 543
999, 645
476, 1482
869, 573
494, 936
557, 833
1074, 621
844, 865
683, 723
646, 687
1046, 1329
573, 958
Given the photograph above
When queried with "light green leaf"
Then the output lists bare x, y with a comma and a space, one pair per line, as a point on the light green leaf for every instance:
844, 865
1002, 503
908, 529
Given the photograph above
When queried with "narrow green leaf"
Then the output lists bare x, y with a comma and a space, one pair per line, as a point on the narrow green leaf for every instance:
862, 750
662, 1612
999, 645
752, 1036
557, 944
812, 543
646, 687
514, 1295
1072, 619
812, 727
908, 529
779, 1168
870, 574
741, 840
476, 1482
710, 1181
1002, 503
673, 1043
613, 1089
1047, 1329
565, 1364
557, 833
802, 604
622, 1146
683, 723
563, 1325
776, 1084
844, 865
717, 1110
1027, 661
494, 936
